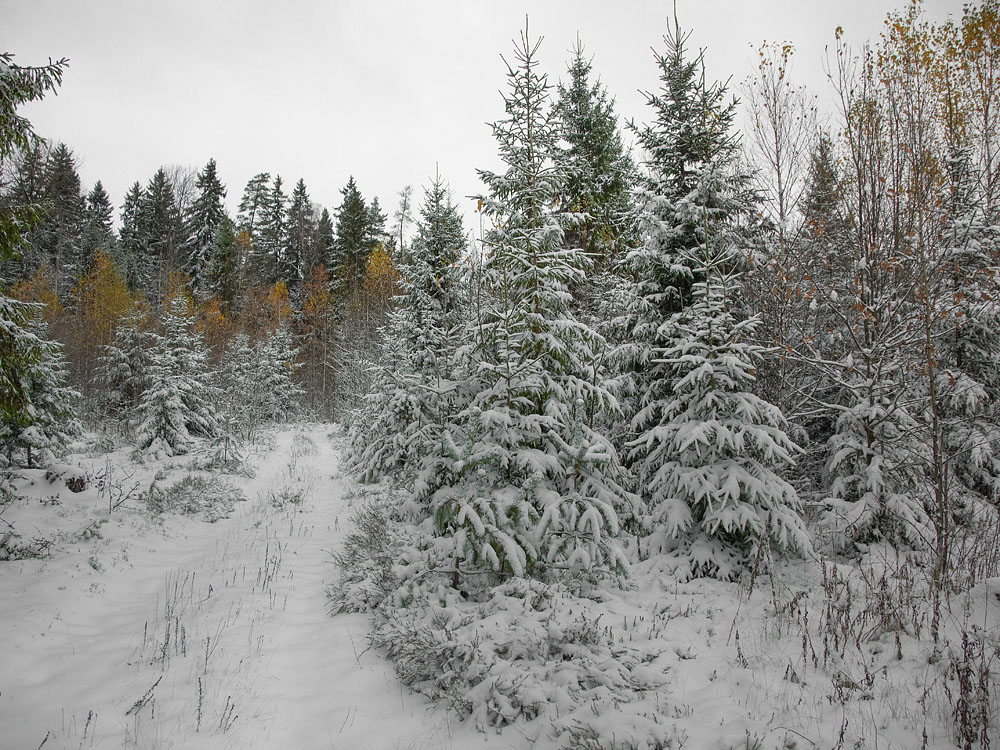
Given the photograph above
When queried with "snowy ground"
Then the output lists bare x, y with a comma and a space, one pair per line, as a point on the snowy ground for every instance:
177, 633
137, 631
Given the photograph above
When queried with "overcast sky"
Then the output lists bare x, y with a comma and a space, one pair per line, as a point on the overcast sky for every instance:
381, 90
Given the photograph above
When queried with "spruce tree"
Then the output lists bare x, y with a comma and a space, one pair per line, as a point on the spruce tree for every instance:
224, 269
98, 231
159, 232
298, 239
600, 174
201, 225
132, 261
352, 244
271, 237
60, 236
538, 490
255, 197
321, 247
710, 463
123, 372
177, 405
49, 420
692, 198
406, 425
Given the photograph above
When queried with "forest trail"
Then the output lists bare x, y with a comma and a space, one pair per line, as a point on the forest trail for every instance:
197, 635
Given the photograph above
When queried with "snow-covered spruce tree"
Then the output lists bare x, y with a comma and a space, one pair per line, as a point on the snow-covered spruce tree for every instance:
257, 381
600, 174
688, 134
177, 405
539, 490
49, 420
281, 394
710, 465
692, 197
201, 226
123, 371
406, 423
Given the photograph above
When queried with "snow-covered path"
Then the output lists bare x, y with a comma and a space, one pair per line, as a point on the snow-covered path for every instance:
205, 635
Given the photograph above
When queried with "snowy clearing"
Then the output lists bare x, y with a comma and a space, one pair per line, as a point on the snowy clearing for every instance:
140, 631
177, 633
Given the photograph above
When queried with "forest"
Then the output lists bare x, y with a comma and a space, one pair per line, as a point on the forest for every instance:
679, 353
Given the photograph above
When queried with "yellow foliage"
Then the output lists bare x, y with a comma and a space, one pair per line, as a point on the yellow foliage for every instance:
39, 289
280, 303
381, 276
101, 298
213, 324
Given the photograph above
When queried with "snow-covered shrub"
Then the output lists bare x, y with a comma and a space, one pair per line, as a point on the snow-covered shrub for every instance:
367, 557
286, 496
531, 651
210, 497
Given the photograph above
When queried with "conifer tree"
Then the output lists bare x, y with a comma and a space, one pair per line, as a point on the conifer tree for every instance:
52, 407
255, 197
270, 239
132, 261
407, 422
352, 243
296, 252
122, 375
159, 232
98, 231
709, 468
539, 490
691, 198
177, 405
60, 236
20, 349
600, 173
321, 248
201, 225
224, 269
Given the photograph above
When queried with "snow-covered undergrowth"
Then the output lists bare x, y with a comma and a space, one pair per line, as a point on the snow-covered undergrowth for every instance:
820, 653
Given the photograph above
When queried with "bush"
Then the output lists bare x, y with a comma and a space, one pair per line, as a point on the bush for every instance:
210, 497
366, 561
531, 651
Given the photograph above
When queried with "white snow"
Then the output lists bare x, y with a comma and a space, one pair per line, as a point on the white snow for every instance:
228, 621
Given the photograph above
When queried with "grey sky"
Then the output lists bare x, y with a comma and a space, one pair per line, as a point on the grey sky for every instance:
380, 90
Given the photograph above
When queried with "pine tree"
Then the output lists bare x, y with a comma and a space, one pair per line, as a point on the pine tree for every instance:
539, 490
709, 464
600, 173
177, 405
201, 225
296, 253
